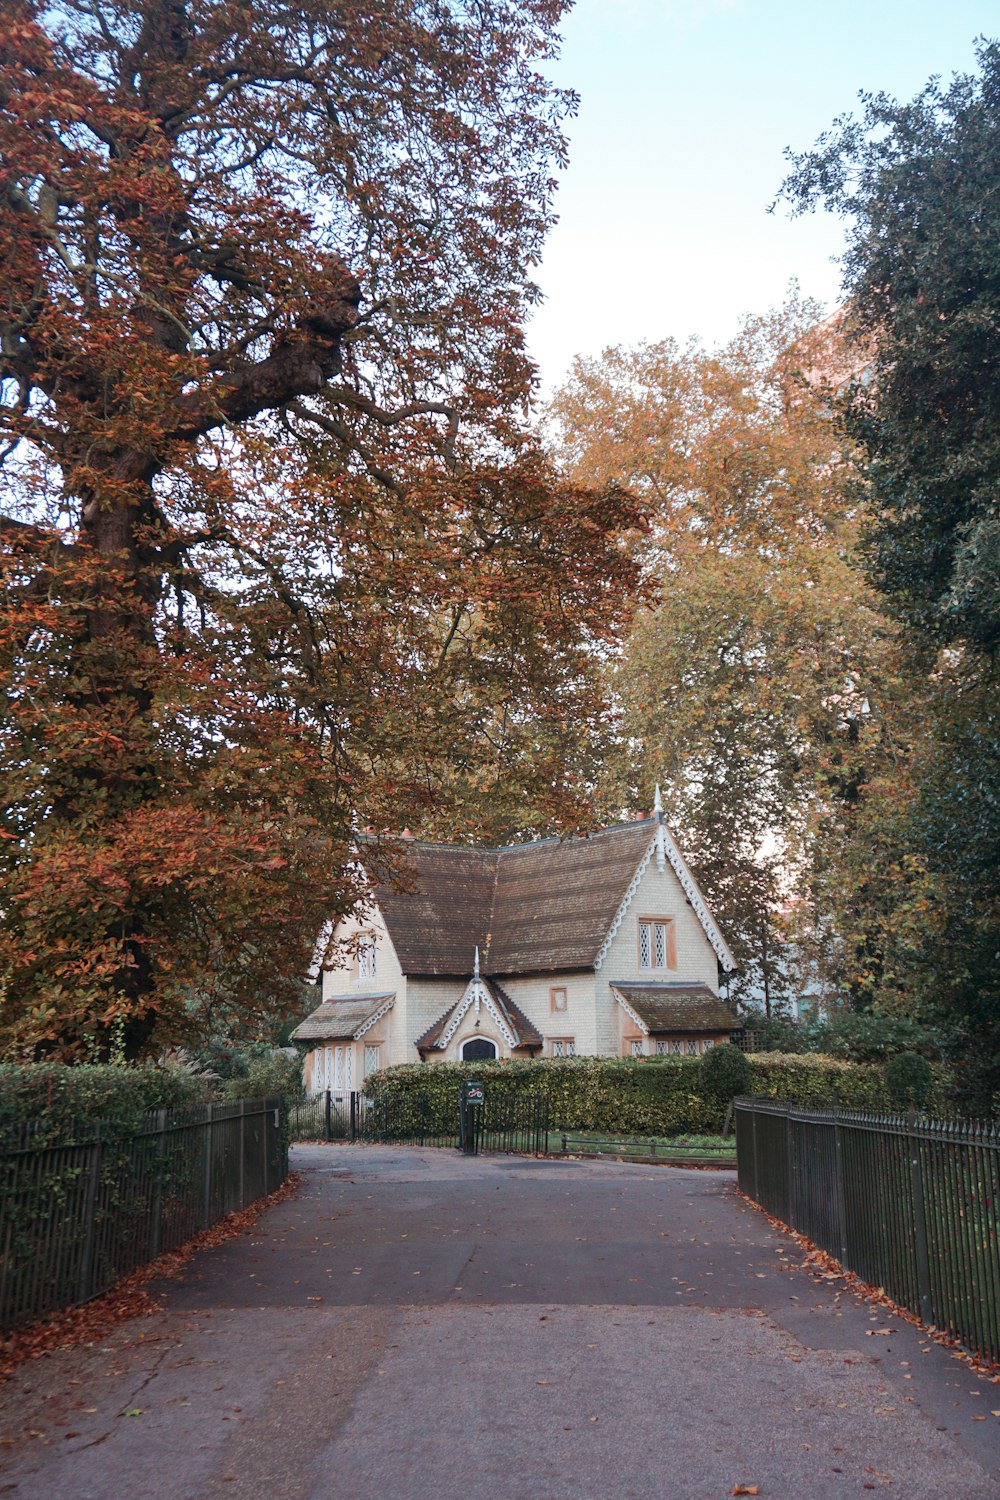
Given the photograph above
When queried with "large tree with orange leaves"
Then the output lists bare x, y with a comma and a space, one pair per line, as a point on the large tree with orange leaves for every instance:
277, 549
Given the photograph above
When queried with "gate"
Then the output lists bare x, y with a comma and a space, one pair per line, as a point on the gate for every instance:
503, 1122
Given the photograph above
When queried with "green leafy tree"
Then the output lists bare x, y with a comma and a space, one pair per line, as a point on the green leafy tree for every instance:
917, 182
917, 866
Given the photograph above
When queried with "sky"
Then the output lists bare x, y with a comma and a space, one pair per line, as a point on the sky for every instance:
677, 152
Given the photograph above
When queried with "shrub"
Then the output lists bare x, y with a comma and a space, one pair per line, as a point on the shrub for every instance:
813, 1079
725, 1072
63, 1102
272, 1074
909, 1079
634, 1096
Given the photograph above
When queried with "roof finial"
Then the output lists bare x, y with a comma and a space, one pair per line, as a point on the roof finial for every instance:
658, 803
475, 966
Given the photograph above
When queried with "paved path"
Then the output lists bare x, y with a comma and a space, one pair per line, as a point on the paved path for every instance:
418, 1326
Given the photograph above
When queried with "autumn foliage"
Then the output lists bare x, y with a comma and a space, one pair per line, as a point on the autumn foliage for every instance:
278, 552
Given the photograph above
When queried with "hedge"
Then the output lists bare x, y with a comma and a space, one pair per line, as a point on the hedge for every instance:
635, 1096
62, 1103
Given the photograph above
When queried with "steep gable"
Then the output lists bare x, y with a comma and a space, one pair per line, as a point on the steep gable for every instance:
555, 901
545, 907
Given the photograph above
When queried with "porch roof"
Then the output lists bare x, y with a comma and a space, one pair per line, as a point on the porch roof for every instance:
342, 1020
664, 1008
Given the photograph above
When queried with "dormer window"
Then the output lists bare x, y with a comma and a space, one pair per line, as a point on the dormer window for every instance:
657, 943
366, 956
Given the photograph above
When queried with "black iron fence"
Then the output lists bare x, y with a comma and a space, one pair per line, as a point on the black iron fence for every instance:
76, 1217
503, 1122
909, 1204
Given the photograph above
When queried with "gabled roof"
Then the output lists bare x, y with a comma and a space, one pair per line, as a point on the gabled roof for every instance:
436, 924
343, 1020
521, 1033
674, 1007
529, 908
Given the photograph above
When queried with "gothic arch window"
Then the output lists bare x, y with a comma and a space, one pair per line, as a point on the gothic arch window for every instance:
479, 1049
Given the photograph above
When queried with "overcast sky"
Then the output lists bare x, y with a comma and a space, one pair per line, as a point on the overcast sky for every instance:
686, 106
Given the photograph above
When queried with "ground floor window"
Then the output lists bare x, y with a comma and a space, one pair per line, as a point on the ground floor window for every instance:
637, 1049
563, 1046
478, 1049
372, 1063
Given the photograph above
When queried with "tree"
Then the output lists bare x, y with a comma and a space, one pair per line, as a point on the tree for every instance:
278, 550
756, 686
917, 182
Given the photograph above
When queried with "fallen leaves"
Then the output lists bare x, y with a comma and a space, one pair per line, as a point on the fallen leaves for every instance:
823, 1266
745, 1489
128, 1299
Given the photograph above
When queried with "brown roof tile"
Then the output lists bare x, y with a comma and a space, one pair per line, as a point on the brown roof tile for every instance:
529, 908
339, 1020
677, 1007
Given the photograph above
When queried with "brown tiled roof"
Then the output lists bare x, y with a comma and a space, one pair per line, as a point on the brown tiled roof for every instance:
677, 1007
527, 1035
529, 908
339, 1020
436, 926
555, 901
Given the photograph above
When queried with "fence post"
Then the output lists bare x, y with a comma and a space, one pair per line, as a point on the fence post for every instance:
156, 1229
327, 1132
919, 1219
84, 1289
354, 1114
209, 1111
243, 1152
791, 1213
756, 1171
838, 1169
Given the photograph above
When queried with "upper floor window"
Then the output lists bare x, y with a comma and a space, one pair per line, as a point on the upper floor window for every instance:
558, 997
657, 943
366, 956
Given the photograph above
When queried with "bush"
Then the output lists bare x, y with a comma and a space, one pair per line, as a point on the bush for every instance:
269, 1075
909, 1080
635, 1096
725, 1072
857, 1036
812, 1079
64, 1102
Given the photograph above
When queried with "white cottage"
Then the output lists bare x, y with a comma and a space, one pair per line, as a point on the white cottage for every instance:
599, 945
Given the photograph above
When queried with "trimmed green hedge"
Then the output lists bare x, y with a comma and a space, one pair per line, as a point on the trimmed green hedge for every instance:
62, 1103
632, 1096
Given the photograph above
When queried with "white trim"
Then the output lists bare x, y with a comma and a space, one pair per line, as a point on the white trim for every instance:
376, 1015
690, 888
666, 849
619, 916
320, 950
477, 992
630, 1012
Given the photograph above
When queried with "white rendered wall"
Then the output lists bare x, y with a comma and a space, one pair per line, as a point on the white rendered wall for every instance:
342, 984
578, 1020
659, 894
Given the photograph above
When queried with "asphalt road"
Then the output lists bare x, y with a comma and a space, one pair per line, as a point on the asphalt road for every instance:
415, 1325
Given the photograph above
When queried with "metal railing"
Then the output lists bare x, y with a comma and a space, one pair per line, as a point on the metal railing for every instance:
517, 1122
909, 1204
77, 1216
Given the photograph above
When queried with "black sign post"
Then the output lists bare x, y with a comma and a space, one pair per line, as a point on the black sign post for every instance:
472, 1097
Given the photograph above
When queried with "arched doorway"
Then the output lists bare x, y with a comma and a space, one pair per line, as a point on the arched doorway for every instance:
478, 1049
